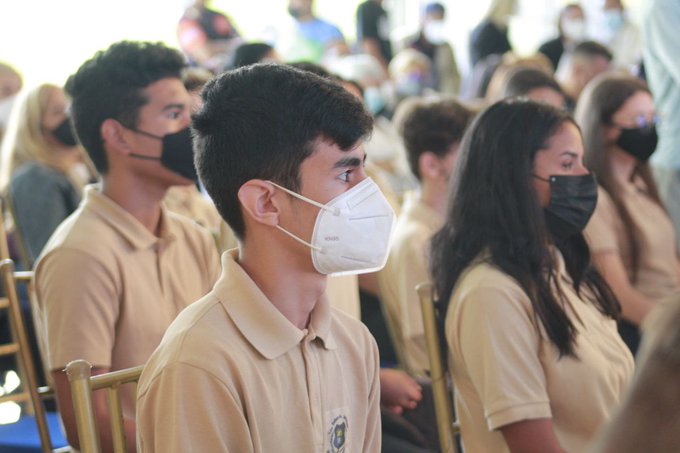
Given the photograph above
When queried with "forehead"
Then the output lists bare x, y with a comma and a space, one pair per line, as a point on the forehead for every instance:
639, 102
567, 137
165, 91
326, 154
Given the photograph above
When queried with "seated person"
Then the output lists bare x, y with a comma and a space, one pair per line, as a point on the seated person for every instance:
534, 354
431, 131
265, 344
116, 273
649, 417
631, 236
534, 84
207, 36
571, 29
580, 66
43, 168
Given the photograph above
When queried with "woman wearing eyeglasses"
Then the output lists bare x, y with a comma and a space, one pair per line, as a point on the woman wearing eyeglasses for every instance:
630, 235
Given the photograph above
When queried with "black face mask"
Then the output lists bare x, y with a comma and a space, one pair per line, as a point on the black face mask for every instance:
177, 154
64, 133
296, 12
572, 202
639, 142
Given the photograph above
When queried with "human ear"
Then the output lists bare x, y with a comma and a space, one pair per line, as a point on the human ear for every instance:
114, 136
256, 197
429, 165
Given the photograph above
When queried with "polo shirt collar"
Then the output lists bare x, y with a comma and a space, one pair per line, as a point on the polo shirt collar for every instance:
124, 222
260, 322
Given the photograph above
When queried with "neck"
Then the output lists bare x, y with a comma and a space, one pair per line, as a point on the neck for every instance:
434, 194
140, 198
266, 256
622, 164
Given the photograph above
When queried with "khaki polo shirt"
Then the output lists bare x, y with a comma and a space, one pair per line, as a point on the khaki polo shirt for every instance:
107, 288
506, 370
658, 273
406, 267
232, 374
343, 293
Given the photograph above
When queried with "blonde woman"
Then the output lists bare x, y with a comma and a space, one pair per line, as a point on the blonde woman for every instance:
43, 169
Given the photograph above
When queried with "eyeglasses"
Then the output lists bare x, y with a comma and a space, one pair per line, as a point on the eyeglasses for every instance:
639, 121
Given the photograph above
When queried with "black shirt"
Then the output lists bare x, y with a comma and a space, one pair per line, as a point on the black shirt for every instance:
372, 23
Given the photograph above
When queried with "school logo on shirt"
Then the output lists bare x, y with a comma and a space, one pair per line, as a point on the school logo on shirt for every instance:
338, 434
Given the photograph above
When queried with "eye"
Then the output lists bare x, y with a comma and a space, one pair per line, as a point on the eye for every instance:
568, 165
174, 115
344, 176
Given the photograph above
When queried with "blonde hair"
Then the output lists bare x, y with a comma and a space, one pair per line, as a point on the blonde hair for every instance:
25, 140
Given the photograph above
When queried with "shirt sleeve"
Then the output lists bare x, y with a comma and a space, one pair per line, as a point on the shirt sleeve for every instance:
602, 231
79, 306
660, 28
188, 409
373, 438
499, 344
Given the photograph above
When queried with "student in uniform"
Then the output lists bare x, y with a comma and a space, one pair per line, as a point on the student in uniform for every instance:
431, 131
118, 270
630, 235
534, 354
263, 363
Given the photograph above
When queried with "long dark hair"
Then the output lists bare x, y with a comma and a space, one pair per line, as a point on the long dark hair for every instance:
494, 209
600, 100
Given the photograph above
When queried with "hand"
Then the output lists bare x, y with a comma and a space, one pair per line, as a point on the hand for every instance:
398, 390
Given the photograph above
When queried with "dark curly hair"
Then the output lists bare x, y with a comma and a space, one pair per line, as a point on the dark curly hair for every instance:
261, 122
111, 84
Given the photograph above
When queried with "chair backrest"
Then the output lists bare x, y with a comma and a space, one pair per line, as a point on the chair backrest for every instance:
441, 389
19, 347
82, 386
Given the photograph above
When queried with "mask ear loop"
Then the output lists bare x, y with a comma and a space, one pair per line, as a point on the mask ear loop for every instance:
334, 211
312, 202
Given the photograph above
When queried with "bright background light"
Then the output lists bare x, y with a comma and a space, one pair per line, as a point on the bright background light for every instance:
48, 39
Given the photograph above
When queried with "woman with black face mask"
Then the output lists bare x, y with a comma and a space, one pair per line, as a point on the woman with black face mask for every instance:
630, 235
530, 326
43, 169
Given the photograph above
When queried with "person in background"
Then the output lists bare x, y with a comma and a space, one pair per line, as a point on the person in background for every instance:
649, 417
265, 344
207, 36
43, 168
10, 84
580, 66
533, 84
187, 200
431, 131
495, 85
432, 40
631, 237
490, 36
571, 30
118, 270
311, 38
373, 31
620, 35
534, 355
254, 52
661, 48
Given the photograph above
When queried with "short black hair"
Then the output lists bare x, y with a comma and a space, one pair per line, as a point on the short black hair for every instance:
250, 53
521, 80
110, 85
592, 49
433, 126
261, 122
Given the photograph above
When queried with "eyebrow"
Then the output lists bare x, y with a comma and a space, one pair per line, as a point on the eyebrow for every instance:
349, 162
569, 153
173, 106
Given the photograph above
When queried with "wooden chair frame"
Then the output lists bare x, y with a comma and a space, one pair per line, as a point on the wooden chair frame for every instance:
441, 384
82, 386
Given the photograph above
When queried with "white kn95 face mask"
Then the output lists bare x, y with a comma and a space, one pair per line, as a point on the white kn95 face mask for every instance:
352, 231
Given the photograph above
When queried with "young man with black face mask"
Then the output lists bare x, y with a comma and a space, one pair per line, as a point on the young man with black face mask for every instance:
263, 361
116, 273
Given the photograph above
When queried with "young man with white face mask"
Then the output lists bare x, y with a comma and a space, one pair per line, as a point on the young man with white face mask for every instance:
280, 152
